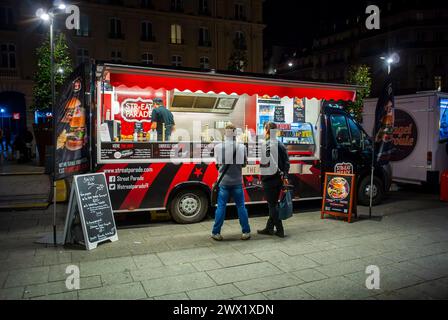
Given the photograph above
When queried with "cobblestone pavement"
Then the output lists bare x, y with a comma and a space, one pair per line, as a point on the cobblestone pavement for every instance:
320, 259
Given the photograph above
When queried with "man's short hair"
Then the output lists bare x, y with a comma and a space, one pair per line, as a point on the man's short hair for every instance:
158, 101
230, 126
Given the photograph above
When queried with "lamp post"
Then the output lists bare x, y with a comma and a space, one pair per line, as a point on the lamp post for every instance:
48, 16
2, 111
393, 58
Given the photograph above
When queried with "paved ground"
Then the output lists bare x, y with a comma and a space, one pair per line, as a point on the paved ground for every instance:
320, 259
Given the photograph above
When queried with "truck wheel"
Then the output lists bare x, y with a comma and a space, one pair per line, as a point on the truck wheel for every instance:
364, 191
189, 206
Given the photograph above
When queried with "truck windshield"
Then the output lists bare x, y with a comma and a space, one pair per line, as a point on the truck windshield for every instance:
348, 133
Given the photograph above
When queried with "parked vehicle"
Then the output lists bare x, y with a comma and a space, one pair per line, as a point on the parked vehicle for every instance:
144, 174
420, 154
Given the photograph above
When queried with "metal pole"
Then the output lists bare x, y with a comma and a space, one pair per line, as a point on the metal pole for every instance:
53, 109
373, 159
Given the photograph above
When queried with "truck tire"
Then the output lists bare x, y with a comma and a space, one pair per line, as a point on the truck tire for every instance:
364, 191
189, 206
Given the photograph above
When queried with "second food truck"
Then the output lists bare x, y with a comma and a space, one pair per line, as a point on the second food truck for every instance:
144, 173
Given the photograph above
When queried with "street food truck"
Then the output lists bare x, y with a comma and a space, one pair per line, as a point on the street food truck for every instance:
176, 174
420, 153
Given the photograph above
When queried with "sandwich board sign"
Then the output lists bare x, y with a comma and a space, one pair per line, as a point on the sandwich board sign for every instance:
339, 195
90, 209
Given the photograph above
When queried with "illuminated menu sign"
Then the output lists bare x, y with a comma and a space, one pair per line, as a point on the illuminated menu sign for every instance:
443, 131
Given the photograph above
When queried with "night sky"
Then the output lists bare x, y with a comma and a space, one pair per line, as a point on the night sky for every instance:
295, 23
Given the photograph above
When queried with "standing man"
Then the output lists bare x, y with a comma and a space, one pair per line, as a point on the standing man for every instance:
162, 116
232, 155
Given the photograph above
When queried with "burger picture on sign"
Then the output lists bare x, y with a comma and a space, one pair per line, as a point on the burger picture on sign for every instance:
73, 137
338, 188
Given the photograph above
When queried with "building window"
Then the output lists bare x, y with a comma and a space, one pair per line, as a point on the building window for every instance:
147, 4
115, 56
203, 7
420, 16
240, 41
176, 60
147, 58
420, 36
84, 24
204, 63
82, 55
240, 12
176, 34
420, 83
6, 18
420, 60
204, 37
439, 60
147, 31
177, 5
115, 28
8, 56
438, 83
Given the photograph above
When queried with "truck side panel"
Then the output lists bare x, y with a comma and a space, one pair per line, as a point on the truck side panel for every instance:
148, 186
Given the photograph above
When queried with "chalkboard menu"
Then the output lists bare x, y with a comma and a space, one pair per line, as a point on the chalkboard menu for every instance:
279, 114
338, 195
90, 200
299, 111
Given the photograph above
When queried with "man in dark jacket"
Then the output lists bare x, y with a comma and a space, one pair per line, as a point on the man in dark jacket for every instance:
274, 170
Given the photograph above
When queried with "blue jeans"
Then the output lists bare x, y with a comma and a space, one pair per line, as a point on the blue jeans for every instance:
223, 197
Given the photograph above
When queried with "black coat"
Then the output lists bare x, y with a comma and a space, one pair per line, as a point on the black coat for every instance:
274, 180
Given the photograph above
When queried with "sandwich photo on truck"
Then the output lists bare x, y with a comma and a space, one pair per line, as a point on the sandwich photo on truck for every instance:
176, 174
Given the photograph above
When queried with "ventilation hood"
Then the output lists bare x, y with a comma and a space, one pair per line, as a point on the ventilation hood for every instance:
203, 102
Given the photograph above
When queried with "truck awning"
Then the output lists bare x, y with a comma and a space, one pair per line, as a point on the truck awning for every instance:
206, 83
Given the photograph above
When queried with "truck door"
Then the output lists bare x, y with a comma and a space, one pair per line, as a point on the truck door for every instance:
345, 143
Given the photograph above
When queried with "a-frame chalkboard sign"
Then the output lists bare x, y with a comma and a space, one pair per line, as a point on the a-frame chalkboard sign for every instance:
90, 206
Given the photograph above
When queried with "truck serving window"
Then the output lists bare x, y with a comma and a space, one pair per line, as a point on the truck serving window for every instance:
340, 130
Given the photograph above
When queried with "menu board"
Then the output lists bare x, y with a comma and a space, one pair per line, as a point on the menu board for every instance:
279, 114
91, 201
299, 110
121, 151
338, 195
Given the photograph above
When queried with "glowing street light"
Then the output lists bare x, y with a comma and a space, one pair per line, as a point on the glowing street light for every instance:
394, 58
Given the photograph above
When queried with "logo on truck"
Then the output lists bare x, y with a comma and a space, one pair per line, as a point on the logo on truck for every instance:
405, 135
137, 110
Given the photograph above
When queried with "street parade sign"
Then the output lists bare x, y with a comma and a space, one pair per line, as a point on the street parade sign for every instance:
90, 209
338, 195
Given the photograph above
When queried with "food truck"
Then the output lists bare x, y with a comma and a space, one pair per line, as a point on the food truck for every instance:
177, 174
420, 153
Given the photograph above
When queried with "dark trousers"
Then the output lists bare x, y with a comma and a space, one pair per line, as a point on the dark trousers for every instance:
272, 194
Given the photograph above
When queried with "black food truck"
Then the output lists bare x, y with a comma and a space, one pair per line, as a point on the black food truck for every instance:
176, 173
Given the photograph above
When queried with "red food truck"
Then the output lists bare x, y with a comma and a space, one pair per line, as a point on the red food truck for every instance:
176, 174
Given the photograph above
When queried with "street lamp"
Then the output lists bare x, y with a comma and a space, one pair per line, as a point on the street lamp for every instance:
2, 111
48, 16
394, 58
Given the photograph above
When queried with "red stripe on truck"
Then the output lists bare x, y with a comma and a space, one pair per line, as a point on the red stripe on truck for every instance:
182, 175
135, 197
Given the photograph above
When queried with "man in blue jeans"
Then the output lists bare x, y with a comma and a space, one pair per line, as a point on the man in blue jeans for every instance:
232, 154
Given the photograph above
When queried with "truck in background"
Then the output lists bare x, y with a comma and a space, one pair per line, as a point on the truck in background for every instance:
420, 136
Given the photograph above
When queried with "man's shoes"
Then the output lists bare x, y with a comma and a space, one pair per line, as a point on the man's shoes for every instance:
245, 236
266, 232
217, 237
280, 233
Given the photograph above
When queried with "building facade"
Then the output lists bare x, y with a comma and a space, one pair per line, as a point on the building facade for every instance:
190, 33
417, 32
